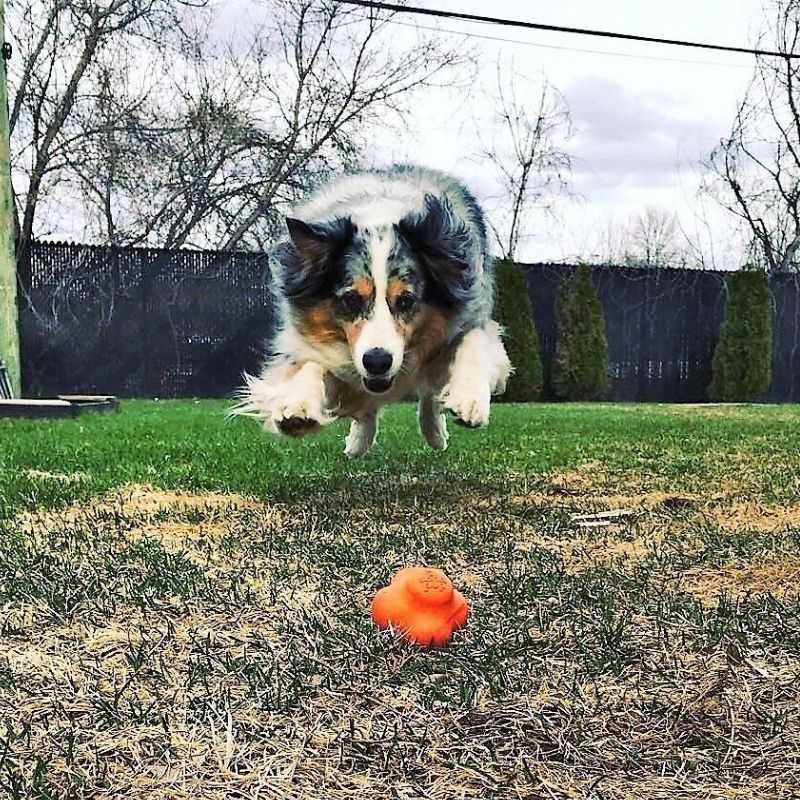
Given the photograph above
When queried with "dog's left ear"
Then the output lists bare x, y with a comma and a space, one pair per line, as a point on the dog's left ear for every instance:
442, 243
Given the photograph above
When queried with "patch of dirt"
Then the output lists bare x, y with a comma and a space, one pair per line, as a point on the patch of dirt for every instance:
572, 482
147, 501
580, 554
144, 499
579, 492
779, 578
587, 502
754, 516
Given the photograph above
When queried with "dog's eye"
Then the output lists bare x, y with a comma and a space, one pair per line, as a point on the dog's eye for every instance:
405, 303
351, 304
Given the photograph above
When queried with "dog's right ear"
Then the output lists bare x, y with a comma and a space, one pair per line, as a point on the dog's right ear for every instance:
309, 269
316, 242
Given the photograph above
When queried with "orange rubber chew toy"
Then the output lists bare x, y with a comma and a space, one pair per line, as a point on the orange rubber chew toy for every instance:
422, 605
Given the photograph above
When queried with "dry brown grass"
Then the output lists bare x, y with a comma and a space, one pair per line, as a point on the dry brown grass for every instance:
751, 515
778, 578
225, 651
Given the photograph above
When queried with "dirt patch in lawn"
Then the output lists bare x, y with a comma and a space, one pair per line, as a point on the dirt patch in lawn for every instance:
755, 516
589, 502
143, 501
779, 578
581, 553
586, 490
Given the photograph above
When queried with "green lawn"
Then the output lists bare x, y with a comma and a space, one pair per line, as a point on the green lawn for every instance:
184, 607
191, 445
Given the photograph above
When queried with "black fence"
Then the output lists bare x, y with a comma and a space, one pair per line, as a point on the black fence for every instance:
155, 323
141, 322
662, 327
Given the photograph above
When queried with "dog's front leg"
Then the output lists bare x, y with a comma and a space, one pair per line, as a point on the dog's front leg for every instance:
478, 369
298, 404
363, 431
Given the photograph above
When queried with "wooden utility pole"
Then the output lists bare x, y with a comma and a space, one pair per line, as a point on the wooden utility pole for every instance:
9, 321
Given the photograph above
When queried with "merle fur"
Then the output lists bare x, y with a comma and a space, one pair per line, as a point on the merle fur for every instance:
315, 258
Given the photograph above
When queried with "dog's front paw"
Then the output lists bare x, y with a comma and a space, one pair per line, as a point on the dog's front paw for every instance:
468, 403
296, 426
298, 416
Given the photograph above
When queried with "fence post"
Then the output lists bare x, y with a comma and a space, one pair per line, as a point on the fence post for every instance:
9, 313
144, 298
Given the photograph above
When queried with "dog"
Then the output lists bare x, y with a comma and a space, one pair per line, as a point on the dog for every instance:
384, 290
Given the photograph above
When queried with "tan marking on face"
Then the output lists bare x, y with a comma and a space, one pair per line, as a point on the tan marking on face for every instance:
365, 287
426, 334
395, 288
319, 323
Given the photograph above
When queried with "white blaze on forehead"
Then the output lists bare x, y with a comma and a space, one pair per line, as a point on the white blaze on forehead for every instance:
380, 246
380, 331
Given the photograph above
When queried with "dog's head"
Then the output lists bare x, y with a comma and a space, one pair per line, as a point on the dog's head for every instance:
388, 292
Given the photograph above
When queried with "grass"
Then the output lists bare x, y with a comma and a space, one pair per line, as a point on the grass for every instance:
184, 607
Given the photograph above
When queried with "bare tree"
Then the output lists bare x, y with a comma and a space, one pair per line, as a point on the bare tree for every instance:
58, 43
204, 144
527, 152
339, 78
755, 171
168, 166
653, 238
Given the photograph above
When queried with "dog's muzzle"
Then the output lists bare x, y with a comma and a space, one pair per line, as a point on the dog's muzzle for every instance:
378, 364
378, 385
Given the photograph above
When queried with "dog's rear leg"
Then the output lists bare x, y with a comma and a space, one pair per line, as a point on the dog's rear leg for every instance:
363, 431
432, 423
500, 366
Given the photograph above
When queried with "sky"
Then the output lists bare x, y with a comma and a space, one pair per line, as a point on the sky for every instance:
643, 116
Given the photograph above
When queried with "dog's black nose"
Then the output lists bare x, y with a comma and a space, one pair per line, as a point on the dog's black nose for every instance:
377, 361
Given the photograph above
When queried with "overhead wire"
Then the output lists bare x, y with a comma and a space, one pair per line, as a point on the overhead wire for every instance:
377, 5
565, 48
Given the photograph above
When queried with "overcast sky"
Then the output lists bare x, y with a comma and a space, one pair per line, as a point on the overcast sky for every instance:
643, 117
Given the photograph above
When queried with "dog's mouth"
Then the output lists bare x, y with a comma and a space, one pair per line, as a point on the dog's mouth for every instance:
378, 385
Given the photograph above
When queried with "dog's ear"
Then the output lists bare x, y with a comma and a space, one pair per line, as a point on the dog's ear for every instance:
309, 269
317, 242
442, 243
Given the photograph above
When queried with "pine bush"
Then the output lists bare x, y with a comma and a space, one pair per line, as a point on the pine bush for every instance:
513, 311
742, 364
580, 366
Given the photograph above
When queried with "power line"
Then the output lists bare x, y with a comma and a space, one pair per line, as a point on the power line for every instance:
637, 56
537, 26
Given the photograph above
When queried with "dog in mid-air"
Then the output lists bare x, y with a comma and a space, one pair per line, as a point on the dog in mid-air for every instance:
384, 290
